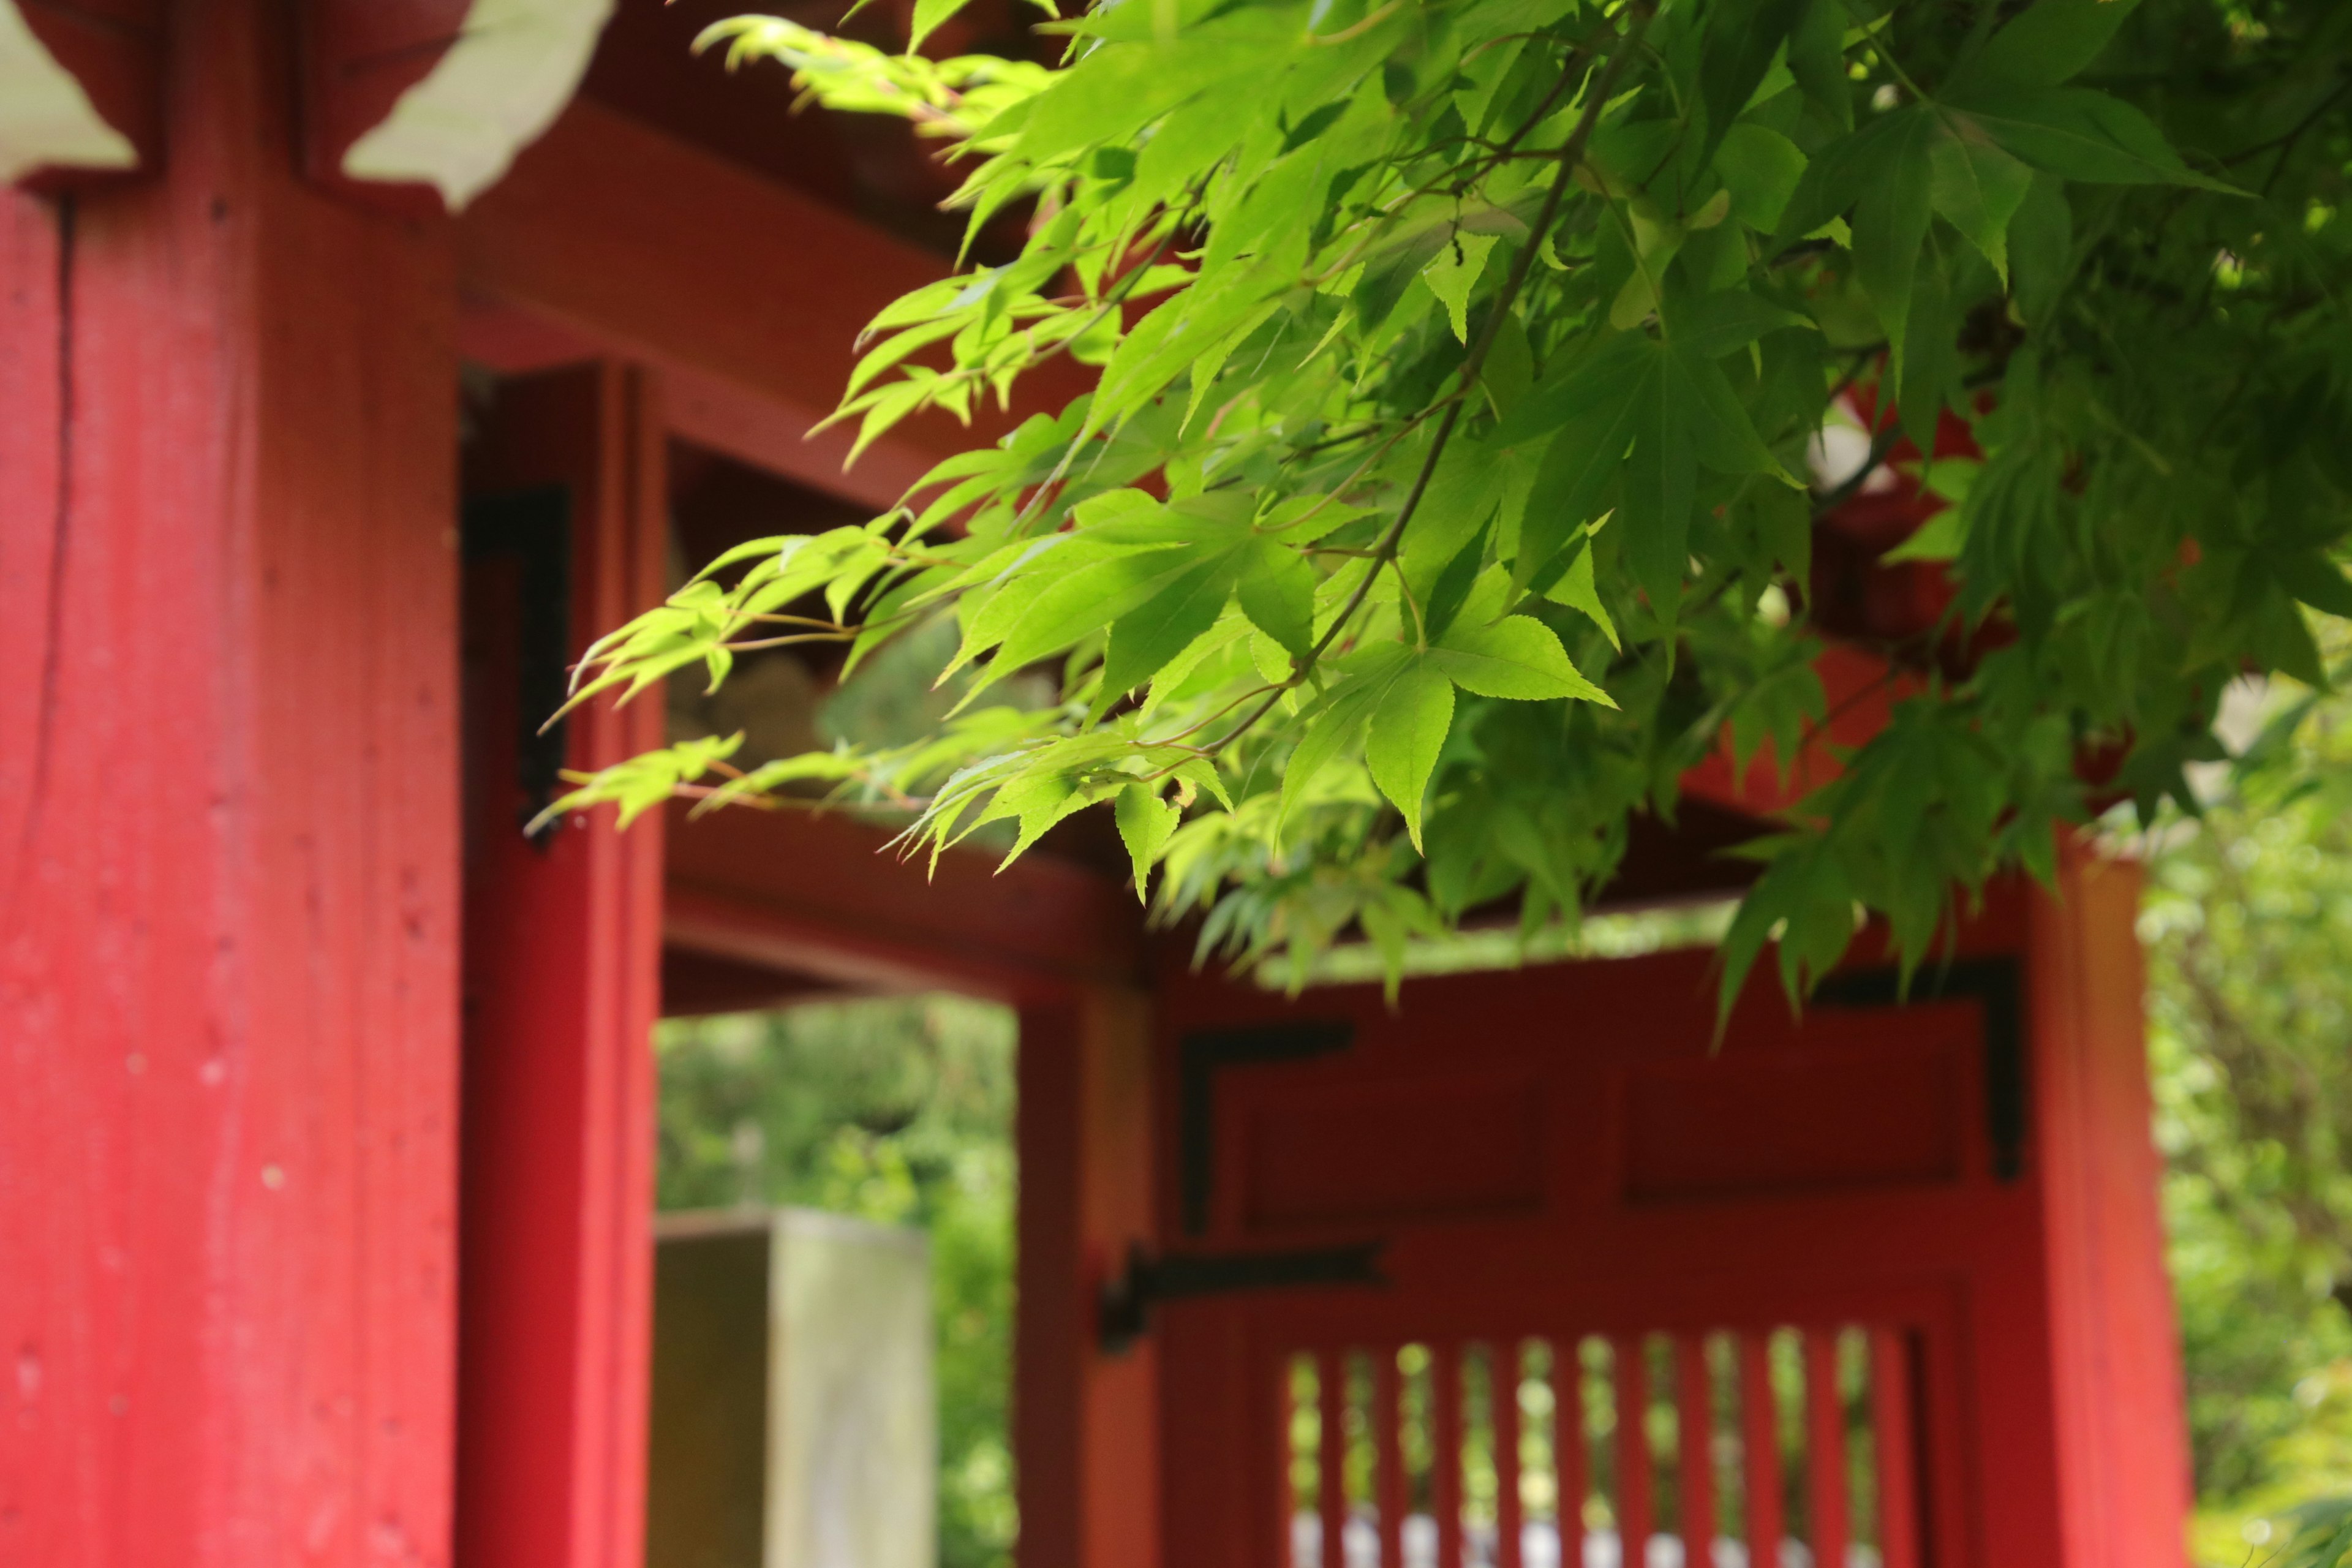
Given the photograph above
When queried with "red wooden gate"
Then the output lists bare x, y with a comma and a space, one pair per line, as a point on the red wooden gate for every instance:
1880, 1286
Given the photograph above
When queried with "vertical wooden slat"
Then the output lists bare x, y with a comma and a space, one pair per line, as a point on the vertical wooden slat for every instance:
1504, 1394
1445, 1451
1331, 1493
1634, 1506
1388, 1456
1891, 1420
1285, 1414
1759, 1442
1695, 1460
1568, 1445
1825, 1449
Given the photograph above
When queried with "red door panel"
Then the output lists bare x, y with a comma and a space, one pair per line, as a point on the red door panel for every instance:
1636, 1284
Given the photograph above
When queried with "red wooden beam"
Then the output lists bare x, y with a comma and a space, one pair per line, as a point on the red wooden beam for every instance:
228, 899
748, 295
825, 896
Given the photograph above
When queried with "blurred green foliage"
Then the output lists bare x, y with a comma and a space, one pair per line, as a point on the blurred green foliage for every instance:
897, 1111
2248, 928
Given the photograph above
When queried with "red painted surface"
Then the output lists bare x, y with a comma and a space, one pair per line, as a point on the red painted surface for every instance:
1825, 1450
1635, 1516
116, 49
748, 296
358, 57
1504, 1399
1760, 1445
2040, 1408
2121, 1461
227, 948
562, 988
228, 899
1330, 1482
1893, 1410
1085, 1425
1859, 688
827, 896
1695, 1444
1853, 592
1445, 1434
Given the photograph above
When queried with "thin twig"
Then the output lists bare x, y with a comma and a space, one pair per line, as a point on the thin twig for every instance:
792, 641
1570, 152
1845, 489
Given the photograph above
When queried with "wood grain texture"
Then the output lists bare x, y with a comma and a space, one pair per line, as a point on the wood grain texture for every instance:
562, 988
227, 872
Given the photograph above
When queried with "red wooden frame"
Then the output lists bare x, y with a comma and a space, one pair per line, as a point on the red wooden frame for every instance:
563, 941
549, 278
610, 237
829, 897
228, 895
805, 897
825, 896
1563, 1150
228, 902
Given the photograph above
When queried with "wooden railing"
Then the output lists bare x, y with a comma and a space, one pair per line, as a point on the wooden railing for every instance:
1555, 1453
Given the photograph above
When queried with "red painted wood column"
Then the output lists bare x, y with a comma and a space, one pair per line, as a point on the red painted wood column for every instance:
1085, 1423
228, 870
2122, 1439
563, 954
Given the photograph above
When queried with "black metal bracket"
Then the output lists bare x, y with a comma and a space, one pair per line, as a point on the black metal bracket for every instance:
534, 526
1124, 1313
1993, 984
1200, 1056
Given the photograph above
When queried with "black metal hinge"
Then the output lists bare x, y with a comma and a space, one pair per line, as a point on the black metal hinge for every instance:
1125, 1313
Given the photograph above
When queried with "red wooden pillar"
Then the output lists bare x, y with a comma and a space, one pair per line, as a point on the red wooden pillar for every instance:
2122, 1445
228, 891
1085, 1422
562, 950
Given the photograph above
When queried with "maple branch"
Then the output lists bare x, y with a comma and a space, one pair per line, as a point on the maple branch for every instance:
1570, 153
